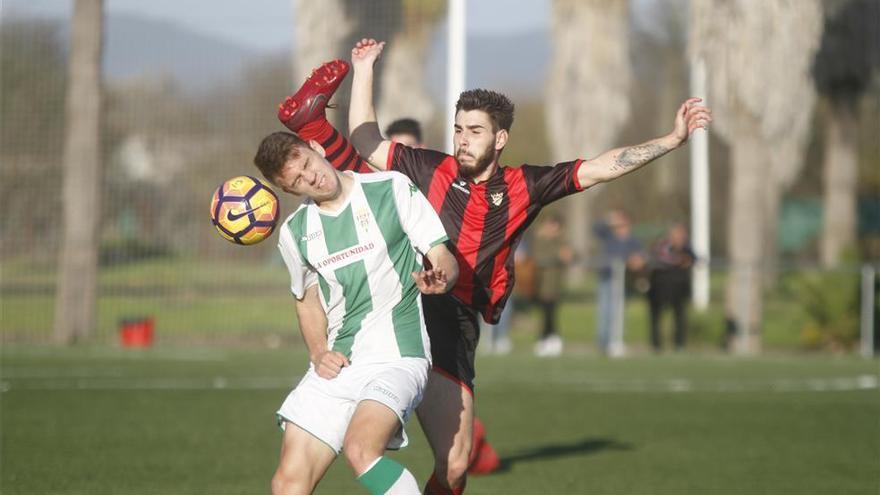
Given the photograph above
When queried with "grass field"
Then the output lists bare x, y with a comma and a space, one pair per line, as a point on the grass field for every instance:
195, 301
171, 420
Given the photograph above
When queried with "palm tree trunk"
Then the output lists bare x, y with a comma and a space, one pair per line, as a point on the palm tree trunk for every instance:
668, 176
746, 229
732, 35
773, 194
587, 96
403, 79
322, 29
840, 174
76, 297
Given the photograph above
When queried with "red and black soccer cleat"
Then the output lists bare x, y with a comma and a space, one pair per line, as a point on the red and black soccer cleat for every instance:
483, 459
308, 104
485, 462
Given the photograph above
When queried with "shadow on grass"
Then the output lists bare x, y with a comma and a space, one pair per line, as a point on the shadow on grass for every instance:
585, 446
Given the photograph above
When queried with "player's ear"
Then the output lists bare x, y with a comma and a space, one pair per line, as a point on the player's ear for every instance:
317, 147
500, 139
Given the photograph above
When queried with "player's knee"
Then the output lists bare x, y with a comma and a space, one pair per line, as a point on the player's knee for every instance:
289, 483
358, 454
456, 471
452, 470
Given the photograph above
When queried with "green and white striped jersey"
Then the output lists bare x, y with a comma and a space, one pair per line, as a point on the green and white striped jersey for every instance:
361, 256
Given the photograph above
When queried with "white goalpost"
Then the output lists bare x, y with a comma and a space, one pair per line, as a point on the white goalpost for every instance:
455, 63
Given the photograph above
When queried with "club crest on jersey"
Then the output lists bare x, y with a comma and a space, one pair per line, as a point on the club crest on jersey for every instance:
497, 198
363, 219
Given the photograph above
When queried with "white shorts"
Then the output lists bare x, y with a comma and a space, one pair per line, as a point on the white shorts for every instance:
324, 407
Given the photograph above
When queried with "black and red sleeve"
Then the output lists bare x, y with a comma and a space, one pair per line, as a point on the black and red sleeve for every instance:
547, 184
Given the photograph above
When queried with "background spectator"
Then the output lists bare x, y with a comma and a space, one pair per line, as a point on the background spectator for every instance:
618, 246
551, 255
670, 268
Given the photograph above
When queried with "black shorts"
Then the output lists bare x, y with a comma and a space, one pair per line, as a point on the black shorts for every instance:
454, 330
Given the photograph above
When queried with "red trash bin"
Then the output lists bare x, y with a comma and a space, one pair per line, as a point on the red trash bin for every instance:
136, 332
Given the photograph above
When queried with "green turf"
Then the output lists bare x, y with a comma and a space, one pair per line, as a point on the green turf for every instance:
172, 420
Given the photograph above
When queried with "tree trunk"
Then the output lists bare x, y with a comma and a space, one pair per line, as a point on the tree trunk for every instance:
746, 229
587, 96
755, 110
669, 179
840, 174
322, 29
75, 301
403, 79
772, 204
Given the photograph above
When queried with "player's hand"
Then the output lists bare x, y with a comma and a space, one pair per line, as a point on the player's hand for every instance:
366, 52
432, 281
689, 118
328, 364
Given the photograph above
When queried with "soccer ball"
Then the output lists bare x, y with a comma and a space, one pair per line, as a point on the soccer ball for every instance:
244, 210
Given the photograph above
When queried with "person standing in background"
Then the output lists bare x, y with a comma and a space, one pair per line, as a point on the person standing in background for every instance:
552, 255
618, 247
670, 267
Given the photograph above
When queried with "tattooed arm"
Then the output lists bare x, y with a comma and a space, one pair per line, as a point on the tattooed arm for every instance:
621, 161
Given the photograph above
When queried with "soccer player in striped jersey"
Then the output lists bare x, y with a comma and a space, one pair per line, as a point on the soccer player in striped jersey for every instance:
485, 208
354, 251
483, 458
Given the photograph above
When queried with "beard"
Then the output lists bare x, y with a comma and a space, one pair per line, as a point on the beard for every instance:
481, 163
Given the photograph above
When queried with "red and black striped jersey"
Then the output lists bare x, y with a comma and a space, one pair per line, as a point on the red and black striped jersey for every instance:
484, 221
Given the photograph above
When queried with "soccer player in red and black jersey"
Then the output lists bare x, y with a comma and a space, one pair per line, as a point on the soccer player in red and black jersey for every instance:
485, 208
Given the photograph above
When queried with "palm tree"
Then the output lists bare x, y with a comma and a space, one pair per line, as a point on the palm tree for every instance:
757, 54
843, 70
587, 97
403, 86
322, 32
75, 301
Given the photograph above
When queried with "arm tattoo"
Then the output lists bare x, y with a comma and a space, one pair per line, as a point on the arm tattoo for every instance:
635, 156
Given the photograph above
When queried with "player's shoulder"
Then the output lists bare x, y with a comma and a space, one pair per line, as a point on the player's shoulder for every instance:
384, 176
423, 154
392, 178
298, 215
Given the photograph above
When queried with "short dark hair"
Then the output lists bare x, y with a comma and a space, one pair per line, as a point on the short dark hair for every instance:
275, 150
498, 106
405, 126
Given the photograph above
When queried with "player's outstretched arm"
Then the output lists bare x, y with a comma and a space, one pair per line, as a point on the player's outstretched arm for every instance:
365, 135
621, 161
313, 326
442, 276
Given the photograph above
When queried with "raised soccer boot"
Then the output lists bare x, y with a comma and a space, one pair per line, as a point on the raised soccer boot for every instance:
486, 461
483, 459
308, 104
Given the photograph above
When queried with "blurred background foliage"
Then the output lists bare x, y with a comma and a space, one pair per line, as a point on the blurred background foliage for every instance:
167, 142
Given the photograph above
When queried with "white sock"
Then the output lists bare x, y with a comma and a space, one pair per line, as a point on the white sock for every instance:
405, 485
386, 477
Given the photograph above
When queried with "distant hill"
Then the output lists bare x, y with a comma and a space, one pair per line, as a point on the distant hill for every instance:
138, 46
